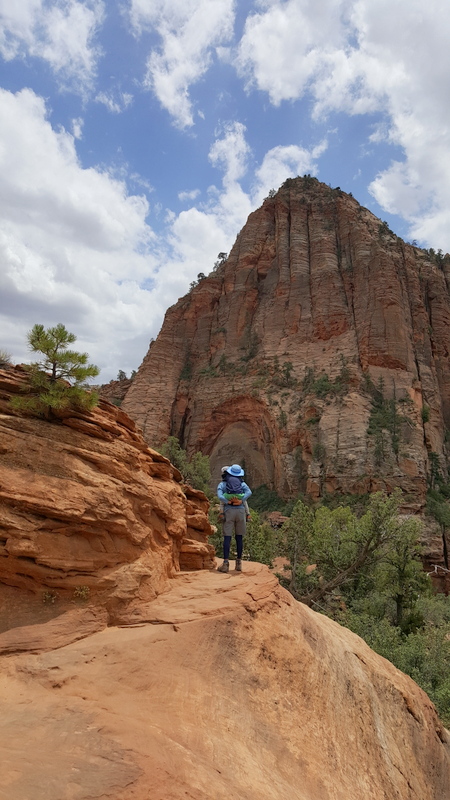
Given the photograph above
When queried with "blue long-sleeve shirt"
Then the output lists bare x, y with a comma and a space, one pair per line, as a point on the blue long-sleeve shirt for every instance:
222, 486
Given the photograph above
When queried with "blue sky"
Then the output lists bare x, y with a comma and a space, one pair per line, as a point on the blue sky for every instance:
137, 135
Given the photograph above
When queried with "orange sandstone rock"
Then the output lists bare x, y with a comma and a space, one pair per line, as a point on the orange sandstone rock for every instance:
225, 687
85, 502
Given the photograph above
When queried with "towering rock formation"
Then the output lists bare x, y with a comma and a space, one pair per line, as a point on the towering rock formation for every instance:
317, 354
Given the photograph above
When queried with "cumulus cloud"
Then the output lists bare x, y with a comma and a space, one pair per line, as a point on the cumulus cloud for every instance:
61, 33
281, 162
231, 152
197, 235
75, 246
189, 31
360, 57
283, 46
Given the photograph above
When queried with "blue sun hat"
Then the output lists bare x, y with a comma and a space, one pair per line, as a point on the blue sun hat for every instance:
236, 470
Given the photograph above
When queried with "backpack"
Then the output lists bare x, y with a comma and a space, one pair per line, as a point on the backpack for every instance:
233, 485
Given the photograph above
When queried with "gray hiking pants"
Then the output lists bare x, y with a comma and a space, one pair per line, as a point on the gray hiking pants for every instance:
235, 521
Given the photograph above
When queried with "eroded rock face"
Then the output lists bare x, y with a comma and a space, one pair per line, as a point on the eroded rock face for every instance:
280, 357
84, 502
228, 689
115, 391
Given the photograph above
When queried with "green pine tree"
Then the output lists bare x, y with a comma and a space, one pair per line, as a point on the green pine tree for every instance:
57, 381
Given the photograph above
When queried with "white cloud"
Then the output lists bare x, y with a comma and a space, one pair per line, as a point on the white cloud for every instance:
77, 127
75, 246
192, 195
61, 32
115, 102
189, 31
367, 56
284, 46
284, 162
231, 152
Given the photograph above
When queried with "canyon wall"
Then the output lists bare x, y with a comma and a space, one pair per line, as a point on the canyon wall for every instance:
317, 354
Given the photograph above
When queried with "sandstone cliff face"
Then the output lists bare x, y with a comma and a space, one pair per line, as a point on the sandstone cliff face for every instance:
318, 354
84, 502
227, 689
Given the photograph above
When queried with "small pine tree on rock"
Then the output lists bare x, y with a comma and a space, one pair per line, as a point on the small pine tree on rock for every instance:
57, 381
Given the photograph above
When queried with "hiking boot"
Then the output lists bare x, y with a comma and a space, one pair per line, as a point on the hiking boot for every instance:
238, 566
225, 567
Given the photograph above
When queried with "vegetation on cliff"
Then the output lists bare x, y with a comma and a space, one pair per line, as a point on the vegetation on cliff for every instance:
195, 469
56, 381
366, 573
362, 566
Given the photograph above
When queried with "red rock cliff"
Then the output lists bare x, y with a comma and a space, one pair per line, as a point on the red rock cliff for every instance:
318, 354
84, 502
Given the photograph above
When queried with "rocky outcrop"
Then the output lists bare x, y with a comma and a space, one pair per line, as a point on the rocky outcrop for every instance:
115, 391
226, 688
317, 354
89, 510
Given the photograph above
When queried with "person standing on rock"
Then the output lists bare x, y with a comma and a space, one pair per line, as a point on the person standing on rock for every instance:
233, 493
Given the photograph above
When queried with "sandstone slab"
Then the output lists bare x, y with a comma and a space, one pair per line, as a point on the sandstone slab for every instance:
230, 690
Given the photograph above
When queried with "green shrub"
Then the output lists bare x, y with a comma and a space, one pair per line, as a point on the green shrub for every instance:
5, 359
265, 499
282, 419
186, 372
425, 413
81, 593
318, 452
322, 386
195, 470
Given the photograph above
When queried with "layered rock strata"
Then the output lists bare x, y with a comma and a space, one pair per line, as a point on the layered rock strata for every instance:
318, 354
88, 508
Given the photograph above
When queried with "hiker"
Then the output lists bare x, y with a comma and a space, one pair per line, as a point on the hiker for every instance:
224, 472
233, 493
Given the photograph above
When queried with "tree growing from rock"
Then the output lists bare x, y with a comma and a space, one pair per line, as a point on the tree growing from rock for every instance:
57, 380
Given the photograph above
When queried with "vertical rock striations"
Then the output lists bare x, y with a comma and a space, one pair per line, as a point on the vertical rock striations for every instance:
318, 353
